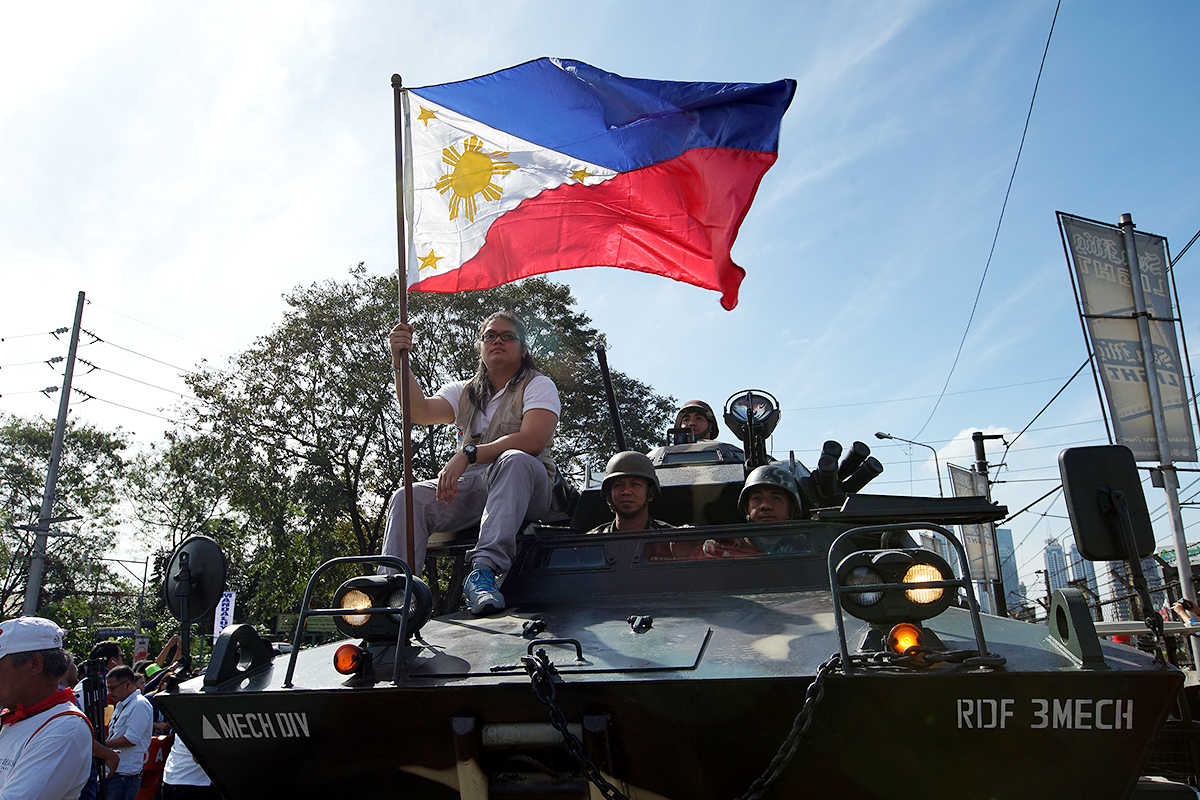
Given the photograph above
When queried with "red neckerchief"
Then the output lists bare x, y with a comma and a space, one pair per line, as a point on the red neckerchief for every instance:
9, 716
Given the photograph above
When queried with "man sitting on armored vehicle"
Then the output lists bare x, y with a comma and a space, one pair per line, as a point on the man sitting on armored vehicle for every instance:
630, 485
502, 475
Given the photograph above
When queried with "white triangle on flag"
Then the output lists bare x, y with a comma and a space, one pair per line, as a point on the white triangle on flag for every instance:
445, 236
209, 731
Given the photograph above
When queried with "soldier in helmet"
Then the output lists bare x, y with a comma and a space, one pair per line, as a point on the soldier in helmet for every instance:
698, 415
630, 484
770, 494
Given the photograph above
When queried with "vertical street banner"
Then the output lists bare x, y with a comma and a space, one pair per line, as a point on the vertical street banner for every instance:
1101, 270
223, 616
977, 539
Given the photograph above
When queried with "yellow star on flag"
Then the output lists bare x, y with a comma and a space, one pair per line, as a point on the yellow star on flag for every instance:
426, 115
429, 261
581, 174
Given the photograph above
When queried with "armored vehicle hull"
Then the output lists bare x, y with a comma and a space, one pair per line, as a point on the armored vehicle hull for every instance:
679, 675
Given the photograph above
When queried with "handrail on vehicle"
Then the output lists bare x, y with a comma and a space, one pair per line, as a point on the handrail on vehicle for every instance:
904, 527
306, 612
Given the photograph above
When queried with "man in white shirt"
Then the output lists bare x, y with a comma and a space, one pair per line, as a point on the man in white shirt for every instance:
45, 741
129, 733
183, 778
501, 476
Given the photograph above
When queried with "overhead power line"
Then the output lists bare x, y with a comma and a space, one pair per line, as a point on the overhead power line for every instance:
88, 396
999, 222
135, 352
135, 380
922, 397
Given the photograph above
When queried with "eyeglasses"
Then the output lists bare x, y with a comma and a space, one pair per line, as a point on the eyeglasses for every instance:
506, 337
112, 686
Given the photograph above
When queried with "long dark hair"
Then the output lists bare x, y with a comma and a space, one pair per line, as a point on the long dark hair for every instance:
479, 388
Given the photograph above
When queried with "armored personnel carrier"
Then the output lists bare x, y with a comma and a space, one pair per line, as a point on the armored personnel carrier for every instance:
823, 656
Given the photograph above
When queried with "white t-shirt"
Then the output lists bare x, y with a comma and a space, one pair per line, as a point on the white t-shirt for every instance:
540, 392
181, 768
54, 764
133, 718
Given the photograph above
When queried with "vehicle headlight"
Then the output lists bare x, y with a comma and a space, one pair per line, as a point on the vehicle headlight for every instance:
924, 573
355, 599
864, 576
903, 576
380, 592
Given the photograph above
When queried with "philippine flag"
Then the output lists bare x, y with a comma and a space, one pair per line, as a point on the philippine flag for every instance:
554, 164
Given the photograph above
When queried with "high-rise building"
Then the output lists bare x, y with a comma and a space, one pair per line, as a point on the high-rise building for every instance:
1008, 568
1056, 566
1083, 571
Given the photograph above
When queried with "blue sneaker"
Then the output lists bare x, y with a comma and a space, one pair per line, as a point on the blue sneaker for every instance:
480, 592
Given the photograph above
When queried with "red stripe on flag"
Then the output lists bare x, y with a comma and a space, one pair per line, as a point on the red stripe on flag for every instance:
678, 218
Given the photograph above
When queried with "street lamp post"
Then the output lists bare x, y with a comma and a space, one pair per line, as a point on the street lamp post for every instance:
936, 465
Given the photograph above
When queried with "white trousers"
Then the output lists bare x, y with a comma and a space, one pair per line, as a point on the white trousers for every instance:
501, 497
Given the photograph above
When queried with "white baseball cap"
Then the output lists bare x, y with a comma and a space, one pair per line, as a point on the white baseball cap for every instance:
23, 634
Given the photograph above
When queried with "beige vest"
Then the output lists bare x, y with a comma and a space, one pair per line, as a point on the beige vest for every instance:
506, 420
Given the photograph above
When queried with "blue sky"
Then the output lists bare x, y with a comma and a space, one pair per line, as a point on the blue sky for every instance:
186, 165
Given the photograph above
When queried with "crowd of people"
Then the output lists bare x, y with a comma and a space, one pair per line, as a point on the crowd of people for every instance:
51, 749
501, 475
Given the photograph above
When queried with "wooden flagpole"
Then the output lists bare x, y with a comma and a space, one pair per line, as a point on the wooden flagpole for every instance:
402, 283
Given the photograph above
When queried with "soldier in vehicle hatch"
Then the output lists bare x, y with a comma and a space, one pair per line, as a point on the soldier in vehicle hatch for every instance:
502, 475
770, 494
630, 484
698, 415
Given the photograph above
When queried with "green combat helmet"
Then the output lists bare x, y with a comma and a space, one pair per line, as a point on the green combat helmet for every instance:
775, 476
630, 463
705, 409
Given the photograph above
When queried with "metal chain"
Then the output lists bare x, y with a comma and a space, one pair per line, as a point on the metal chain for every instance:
540, 674
539, 669
816, 691
920, 656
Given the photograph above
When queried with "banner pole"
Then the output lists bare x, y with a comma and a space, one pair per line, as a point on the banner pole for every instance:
402, 284
1170, 479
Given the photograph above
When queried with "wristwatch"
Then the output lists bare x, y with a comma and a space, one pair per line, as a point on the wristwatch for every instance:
472, 452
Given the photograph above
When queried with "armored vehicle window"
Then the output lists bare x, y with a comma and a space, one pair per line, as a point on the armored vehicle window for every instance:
700, 457
570, 557
712, 549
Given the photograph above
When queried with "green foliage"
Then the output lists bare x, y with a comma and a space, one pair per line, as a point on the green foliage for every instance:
303, 447
90, 470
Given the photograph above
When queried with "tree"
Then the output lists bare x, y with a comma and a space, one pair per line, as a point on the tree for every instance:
186, 486
309, 431
90, 471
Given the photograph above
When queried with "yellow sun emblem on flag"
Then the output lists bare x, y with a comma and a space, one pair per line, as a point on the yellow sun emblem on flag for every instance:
471, 174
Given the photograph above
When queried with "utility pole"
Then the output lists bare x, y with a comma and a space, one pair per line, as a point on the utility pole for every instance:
981, 467
37, 559
1045, 573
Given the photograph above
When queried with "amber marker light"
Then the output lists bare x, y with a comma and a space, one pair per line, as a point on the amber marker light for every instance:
350, 659
904, 636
